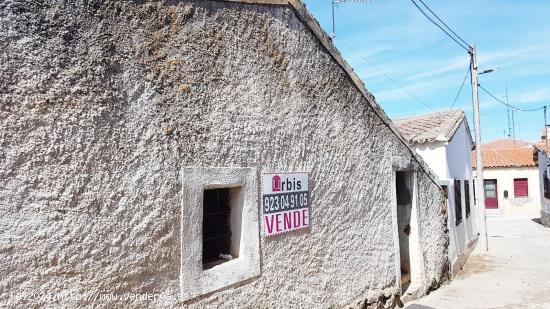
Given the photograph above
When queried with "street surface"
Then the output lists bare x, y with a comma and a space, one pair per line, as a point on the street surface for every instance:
514, 274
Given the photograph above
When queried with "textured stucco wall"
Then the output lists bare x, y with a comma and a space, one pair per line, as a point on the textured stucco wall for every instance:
103, 102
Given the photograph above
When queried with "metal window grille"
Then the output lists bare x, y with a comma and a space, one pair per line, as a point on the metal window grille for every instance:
458, 203
216, 226
467, 197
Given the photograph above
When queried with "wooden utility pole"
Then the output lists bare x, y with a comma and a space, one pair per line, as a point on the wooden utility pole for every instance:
508, 114
334, 3
513, 128
482, 219
545, 132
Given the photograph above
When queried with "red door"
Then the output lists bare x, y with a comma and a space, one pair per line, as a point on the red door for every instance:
491, 193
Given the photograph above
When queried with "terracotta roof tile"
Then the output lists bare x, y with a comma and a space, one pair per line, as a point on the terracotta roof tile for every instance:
542, 146
434, 127
514, 157
506, 144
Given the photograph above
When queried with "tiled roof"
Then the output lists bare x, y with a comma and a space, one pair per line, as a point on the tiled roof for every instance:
434, 127
506, 144
542, 146
515, 157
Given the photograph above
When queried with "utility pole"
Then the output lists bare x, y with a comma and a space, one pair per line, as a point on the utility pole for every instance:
482, 219
334, 3
545, 131
513, 128
508, 113
333, 21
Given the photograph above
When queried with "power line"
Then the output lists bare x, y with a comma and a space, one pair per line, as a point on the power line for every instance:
444, 24
385, 75
510, 106
465, 47
461, 86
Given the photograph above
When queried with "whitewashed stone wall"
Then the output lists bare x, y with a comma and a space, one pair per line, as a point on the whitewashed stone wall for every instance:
102, 104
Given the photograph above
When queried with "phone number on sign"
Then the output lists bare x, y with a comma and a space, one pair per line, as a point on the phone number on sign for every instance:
281, 202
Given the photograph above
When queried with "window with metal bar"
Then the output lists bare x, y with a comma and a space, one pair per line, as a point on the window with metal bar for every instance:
467, 197
458, 202
216, 227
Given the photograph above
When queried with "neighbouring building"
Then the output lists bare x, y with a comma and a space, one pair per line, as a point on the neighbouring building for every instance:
151, 151
506, 143
544, 184
444, 141
544, 171
512, 180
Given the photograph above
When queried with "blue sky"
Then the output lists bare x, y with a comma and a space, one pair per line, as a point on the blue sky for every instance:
513, 35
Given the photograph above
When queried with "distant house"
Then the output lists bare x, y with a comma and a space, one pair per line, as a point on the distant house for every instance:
444, 141
506, 143
512, 180
544, 185
544, 176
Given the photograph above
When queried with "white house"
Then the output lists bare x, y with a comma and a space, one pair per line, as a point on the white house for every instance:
512, 181
544, 185
444, 141
544, 176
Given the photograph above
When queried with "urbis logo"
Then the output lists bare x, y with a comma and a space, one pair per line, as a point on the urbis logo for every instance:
285, 185
276, 183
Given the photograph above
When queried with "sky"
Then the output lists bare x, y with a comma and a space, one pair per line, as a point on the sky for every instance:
391, 37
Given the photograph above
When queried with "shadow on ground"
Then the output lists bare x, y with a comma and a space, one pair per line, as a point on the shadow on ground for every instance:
416, 306
538, 221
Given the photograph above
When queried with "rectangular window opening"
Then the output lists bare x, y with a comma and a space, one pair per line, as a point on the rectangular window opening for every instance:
445, 191
521, 187
221, 225
474, 191
546, 182
467, 197
458, 202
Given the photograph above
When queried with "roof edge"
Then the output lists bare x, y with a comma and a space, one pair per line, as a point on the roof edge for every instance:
467, 127
302, 12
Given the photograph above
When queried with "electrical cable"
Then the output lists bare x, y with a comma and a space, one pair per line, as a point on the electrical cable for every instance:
385, 75
444, 24
461, 86
510, 106
467, 47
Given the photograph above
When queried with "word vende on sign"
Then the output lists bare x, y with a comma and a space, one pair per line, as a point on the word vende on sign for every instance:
285, 202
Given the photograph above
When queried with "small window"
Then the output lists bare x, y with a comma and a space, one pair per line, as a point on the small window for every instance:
220, 237
467, 197
218, 245
445, 191
474, 191
546, 181
458, 202
505, 193
521, 187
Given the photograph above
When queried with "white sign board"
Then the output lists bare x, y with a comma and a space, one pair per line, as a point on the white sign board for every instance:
285, 202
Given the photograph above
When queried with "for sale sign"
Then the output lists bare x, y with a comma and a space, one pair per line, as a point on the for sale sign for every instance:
285, 202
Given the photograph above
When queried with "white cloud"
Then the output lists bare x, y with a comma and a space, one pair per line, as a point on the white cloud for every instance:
420, 89
443, 66
534, 96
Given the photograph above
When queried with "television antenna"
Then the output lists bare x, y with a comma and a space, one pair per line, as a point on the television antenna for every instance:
334, 3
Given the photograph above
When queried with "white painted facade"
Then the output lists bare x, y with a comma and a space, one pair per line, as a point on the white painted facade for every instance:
511, 205
451, 160
544, 166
